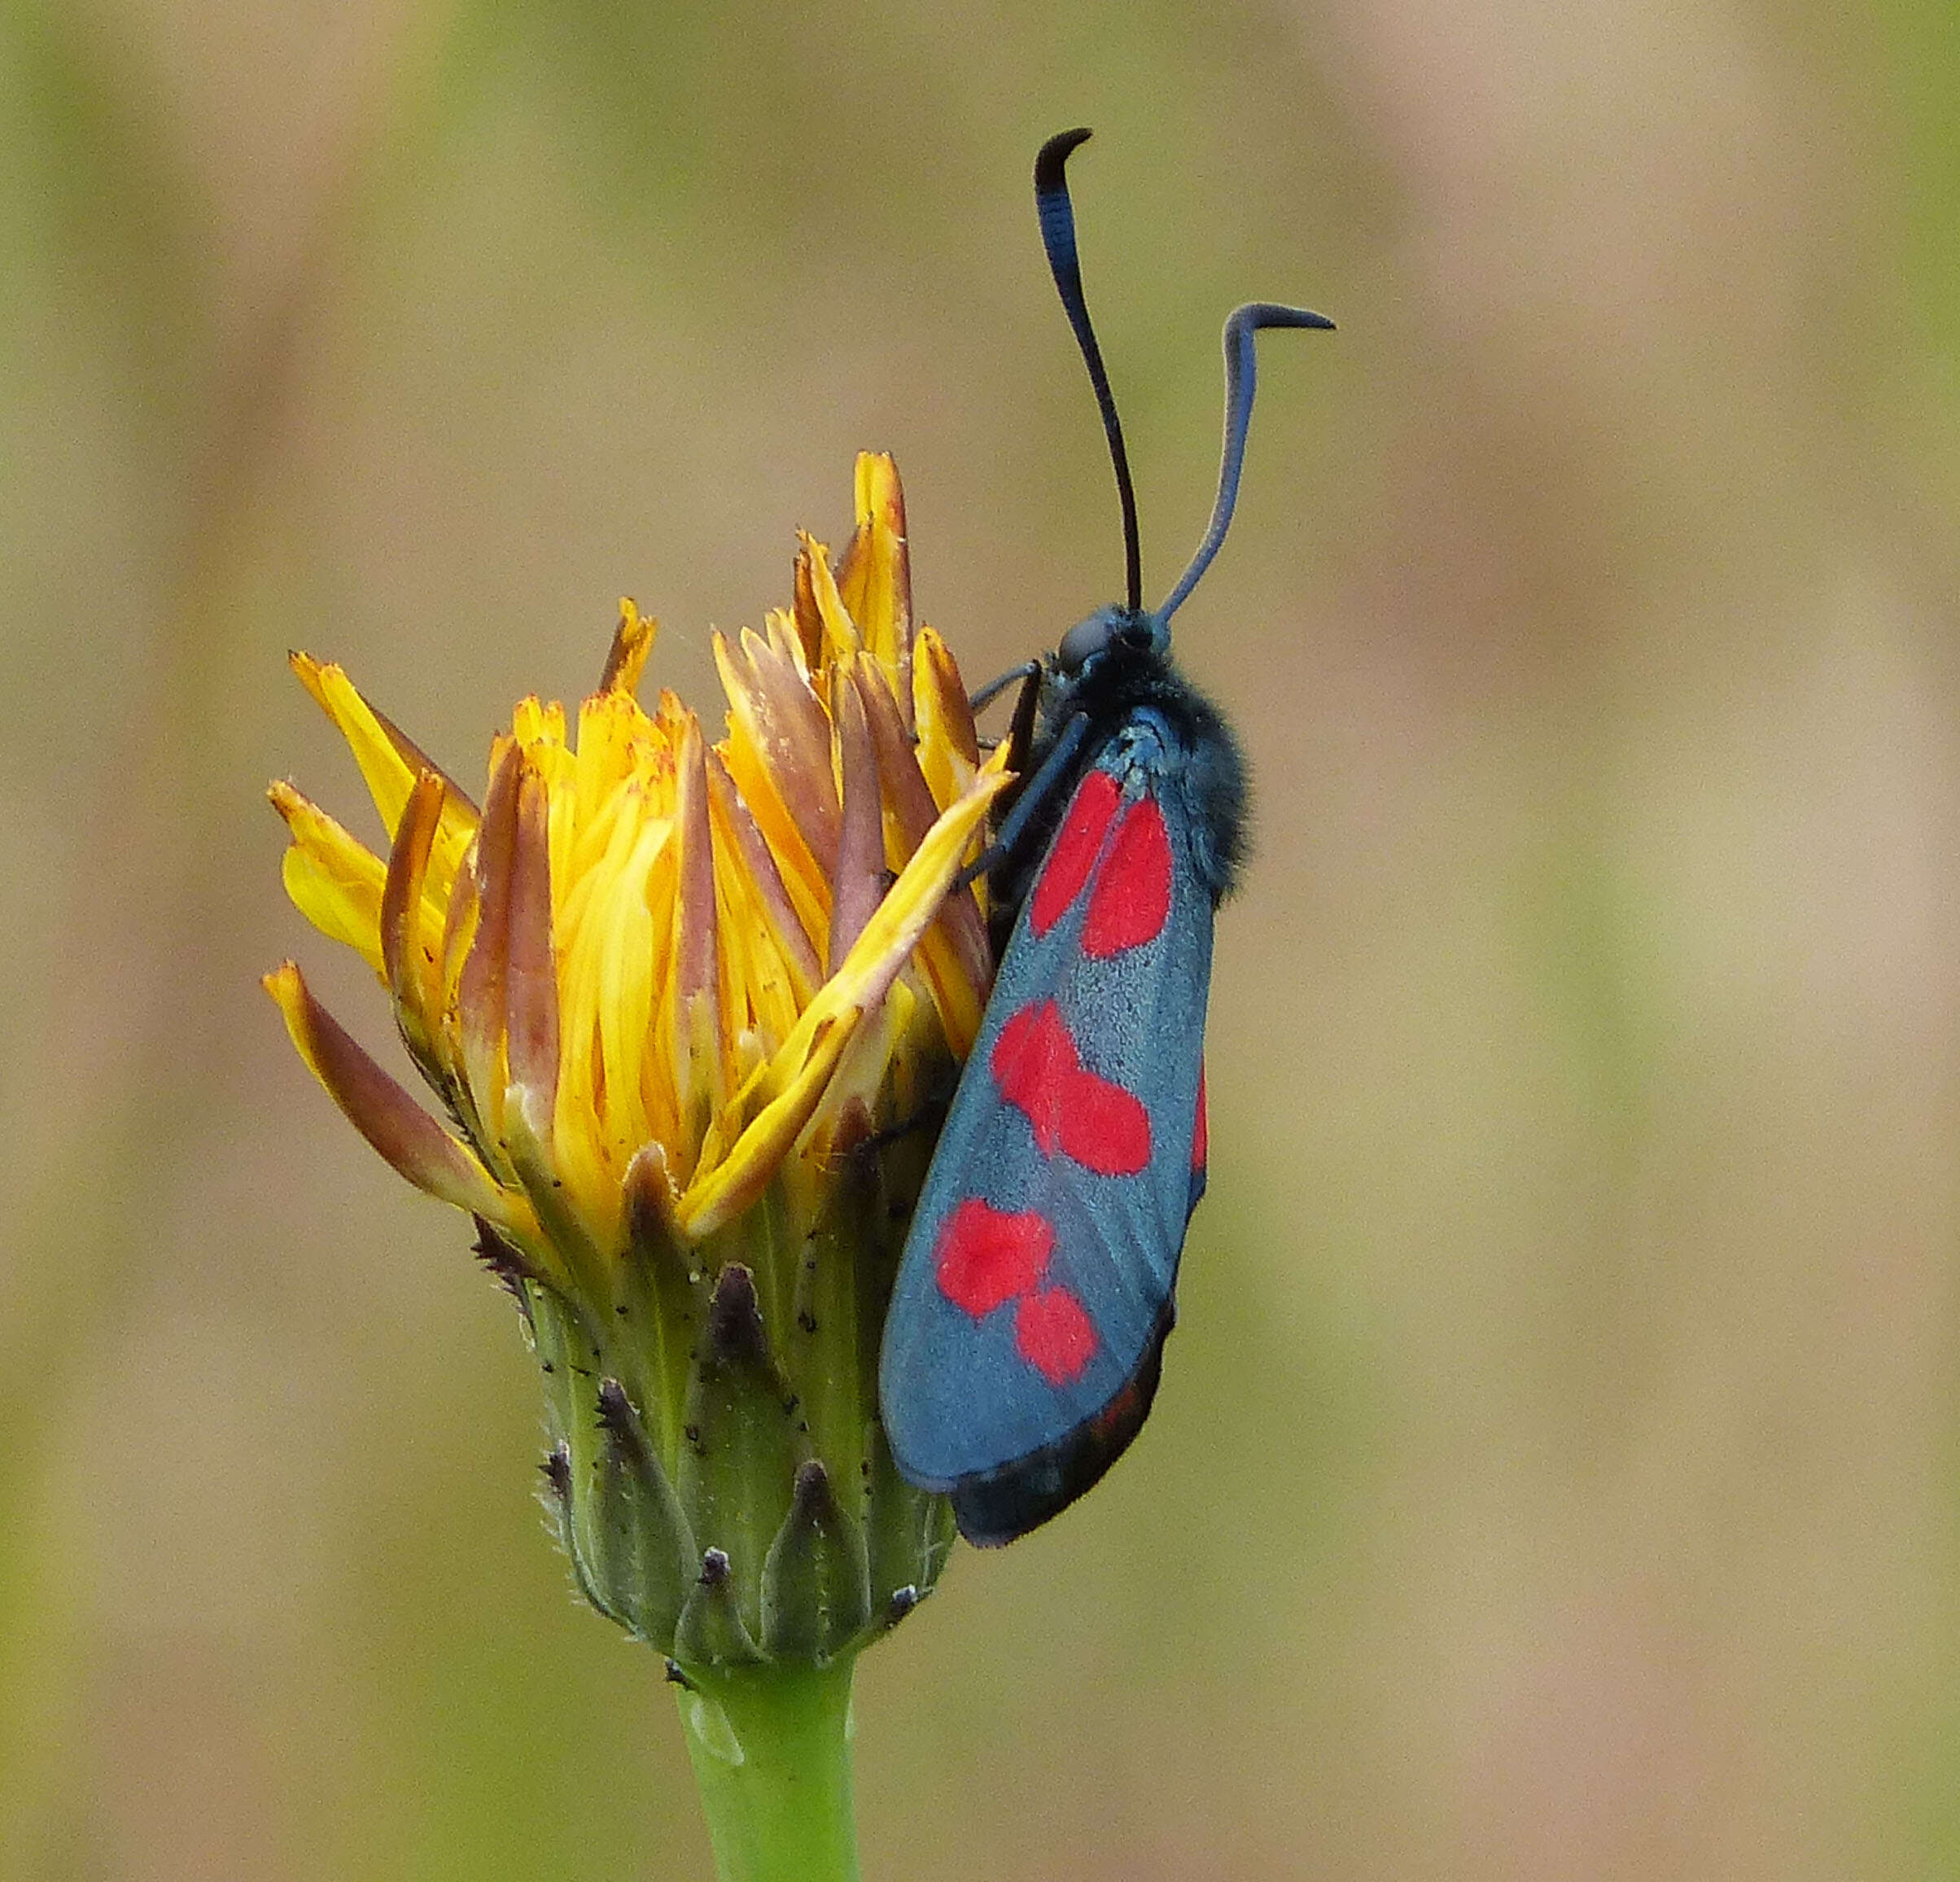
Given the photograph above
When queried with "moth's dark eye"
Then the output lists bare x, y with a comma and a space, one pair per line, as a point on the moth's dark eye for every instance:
1081, 642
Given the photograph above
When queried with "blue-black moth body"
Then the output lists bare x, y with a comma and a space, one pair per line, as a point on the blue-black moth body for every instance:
1027, 1324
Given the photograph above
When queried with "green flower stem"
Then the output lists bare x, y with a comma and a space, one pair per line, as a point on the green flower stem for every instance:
771, 1752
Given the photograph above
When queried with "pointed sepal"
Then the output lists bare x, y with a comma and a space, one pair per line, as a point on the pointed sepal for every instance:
711, 1631
641, 1549
557, 1471
816, 1583
742, 1440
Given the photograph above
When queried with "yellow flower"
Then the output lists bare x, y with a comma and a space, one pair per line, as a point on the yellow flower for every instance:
667, 989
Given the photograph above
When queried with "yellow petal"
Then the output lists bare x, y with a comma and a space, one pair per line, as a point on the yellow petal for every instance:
390, 763
958, 942
841, 638
399, 1128
776, 768
948, 746
860, 1072
909, 909
718, 1196
791, 1084
874, 578
761, 882
411, 929
389, 775
632, 641
531, 984
335, 881
538, 722
614, 739
703, 1059
785, 724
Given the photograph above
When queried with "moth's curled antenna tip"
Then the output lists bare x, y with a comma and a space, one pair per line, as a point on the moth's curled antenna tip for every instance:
1255, 314
1056, 216
1240, 368
1054, 154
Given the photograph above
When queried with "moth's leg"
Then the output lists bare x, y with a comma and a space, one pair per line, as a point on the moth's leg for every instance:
1029, 800
1025, 674
1020, 727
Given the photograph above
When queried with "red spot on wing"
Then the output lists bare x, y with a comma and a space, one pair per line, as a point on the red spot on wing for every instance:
1131, 899
1076, 847
1200, 1136
985, 1257
1090, 1120
1033, 1060
1055, 1335
1106, 1129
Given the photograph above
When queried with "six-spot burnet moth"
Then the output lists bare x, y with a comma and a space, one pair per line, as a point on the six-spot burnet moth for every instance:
1027, 1324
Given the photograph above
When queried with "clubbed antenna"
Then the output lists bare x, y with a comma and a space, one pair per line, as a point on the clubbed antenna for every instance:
1240, 375
1057, 216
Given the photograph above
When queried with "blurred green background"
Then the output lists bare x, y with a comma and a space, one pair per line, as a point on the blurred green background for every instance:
1556, 1474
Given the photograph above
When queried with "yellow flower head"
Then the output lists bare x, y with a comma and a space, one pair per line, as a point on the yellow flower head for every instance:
654, 971
687, 1005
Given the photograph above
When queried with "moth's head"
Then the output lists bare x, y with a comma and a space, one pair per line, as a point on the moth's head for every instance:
1128, 630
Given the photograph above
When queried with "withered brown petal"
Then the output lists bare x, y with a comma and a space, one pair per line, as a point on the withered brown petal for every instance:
857, 883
